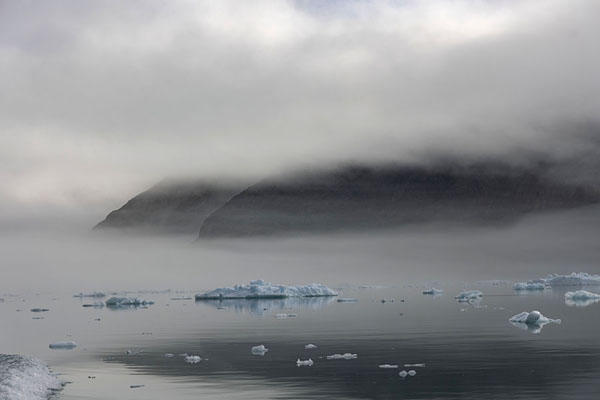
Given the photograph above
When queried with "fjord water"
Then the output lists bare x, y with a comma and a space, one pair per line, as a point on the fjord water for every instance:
470, 351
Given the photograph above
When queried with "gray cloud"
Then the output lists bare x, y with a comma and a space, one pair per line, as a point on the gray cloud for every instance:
100, 99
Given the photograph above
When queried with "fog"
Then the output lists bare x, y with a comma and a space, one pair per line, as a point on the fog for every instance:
102, 99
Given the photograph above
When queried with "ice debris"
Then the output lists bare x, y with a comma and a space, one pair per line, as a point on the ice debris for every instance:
304, 363
39, 309
63, 345
347, 300
168, 355
92, 294
262, 289
192, 359
345, 356
421, 365
433, 291
286, 315
136, 386
469, 295
387, 366
310, 346
96, 304
127, 301
532, 321
259, 350
581, 298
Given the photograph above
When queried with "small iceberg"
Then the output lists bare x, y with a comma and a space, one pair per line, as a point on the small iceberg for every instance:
433, 292
92, 294
304, 363
420, 365
168, 355
261, 289
347, 300
529, 286
310, 346
259, 350
39, 310
532, 321
469, 296
404, 373
345, 356
127, 301
192, 359
388, 366
63, 345
286, 315
96, 304
574, 279
581, 298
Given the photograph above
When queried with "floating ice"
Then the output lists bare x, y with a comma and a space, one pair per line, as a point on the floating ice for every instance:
168, 355
136, 386
533, 321
346, 300
259, 350
433, 291
192, 359
345, 356
39, 309
388, 366
127, 301
262, 289
421, 365
530, 285
26, 378
574, 279
469, 295
403, 374
581, 298
286, 315
182, 298
310, 346
97, 304
63, 345
92, 294
304, 363
412, 372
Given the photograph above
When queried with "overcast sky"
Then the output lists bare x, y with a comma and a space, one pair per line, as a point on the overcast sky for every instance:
100, 99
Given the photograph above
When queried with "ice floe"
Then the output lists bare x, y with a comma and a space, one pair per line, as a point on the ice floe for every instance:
26, 378
192, 359
573, 279
469, 296
92, 294
96, 304
404, 373
345, 356
304, 363
347, 300
262, 289
420, 365
127, 301
433, 291
259, 350
581, 298
39, 310
530, 286
388, 366
310, 346
63, 345
532, 321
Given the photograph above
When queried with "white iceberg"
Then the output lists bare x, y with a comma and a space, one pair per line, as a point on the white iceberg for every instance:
581, 298
310, 346
92, 294
345, 356
530, 286
469, 295
259, 350
433, 291
26, 378
574, 279
192, 359
304, 363
127, 301
63, 345
262, 289
532, 321
388, 366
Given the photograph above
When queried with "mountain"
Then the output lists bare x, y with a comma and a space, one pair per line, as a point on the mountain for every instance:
170, 207
353, 198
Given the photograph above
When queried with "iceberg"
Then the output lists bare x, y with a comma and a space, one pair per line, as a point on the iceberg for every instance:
26, 378
310, 346
388, 366
581, 298
262, 289
127, 301
345, 356
259, 350
304, 363
192, 359
92, 294
433, 291
530, 285
532, 321
63, 345
574, 279
469, 296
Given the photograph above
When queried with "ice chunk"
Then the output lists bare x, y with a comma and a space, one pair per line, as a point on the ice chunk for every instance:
529, 285
305, 363
168, 355
97, 304
403, 374
469, 295
574, 279
182, 298
63, 345
310, 346
412, 372
192, 359
262, 289
581, 298
136, 386
421, 365
39, 309
26, 378
433, 291
92, 294
259, 350
345, 356
127, 301
533, 321
346, 300
388, 366
286, 315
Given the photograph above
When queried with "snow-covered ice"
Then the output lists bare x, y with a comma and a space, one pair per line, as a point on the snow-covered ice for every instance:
304, 363
262, 289
259, 350
192, 359
532, 321
386, 366
26, 378
345, 356
63, 345
469, 295
127, 301
433, 291
581, 298
310, 346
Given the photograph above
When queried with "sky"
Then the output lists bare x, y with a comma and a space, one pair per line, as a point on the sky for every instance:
101, 99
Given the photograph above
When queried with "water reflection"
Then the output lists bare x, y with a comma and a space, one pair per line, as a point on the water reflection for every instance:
266, 306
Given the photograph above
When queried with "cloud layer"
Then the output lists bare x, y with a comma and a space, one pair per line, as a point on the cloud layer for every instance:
100, 99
